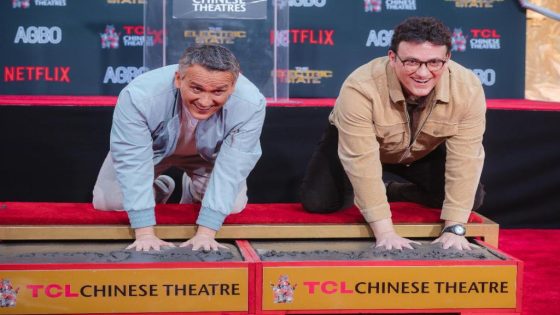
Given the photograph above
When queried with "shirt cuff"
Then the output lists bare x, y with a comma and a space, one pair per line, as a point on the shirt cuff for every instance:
456, 215
377, 213
210, 218
141, 218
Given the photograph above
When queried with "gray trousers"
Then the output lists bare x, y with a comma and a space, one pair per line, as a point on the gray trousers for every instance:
107, 193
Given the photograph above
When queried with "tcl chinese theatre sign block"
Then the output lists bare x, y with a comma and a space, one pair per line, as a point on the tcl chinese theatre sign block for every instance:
71, 279
351, 276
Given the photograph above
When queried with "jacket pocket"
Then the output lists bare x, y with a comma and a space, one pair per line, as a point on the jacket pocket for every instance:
434, 133
439, 129
390, 137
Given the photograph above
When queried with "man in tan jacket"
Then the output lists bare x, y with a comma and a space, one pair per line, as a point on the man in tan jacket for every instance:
414, 113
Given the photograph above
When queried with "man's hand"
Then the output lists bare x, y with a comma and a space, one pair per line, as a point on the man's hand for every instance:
450, 240
203, 239
146, 240
385, 236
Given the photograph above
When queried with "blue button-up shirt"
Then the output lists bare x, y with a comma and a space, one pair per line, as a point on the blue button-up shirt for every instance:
146, 125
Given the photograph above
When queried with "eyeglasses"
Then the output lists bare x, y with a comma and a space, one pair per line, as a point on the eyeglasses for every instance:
412, 65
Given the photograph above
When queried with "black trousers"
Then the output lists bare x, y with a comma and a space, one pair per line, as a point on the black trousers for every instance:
326, 187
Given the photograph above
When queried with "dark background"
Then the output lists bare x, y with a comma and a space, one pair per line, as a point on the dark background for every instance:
54, 154
83, 22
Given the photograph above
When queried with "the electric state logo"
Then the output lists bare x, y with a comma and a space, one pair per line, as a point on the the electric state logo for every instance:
303, 75
215, 35
483, 4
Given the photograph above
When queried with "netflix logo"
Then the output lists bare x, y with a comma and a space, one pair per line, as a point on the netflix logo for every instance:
37, 73
302, 36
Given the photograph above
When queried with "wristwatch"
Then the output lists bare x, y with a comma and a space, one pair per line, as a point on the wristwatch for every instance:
457, 229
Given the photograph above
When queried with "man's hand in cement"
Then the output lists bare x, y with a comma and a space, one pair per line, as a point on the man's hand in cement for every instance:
450, 240
204, 239
385, 236
146, 240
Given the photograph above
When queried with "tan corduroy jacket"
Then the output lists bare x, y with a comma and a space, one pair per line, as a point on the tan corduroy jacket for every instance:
371, 117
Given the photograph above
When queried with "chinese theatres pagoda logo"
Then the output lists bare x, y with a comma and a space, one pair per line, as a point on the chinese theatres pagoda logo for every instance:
24, 4
110, 38
372, 5
458, 40
8, 295
283, 290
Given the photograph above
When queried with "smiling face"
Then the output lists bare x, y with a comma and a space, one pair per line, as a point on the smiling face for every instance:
421, 82
204, 91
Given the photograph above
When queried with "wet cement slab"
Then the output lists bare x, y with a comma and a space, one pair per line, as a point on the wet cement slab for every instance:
363, 251
106, 252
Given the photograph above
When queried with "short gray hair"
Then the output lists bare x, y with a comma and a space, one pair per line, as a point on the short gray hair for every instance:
211, 57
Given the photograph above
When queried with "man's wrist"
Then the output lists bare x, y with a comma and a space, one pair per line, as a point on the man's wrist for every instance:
144, 232
205, 231
381, 227
457, 229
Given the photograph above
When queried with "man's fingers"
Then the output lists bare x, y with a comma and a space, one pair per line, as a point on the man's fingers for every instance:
407, 245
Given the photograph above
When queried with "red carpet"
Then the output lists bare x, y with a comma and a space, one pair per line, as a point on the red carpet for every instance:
540, 252
538, 249
45, 213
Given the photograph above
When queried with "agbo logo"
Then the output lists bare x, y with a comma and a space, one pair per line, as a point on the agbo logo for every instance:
38, 35
486, 76
307, 3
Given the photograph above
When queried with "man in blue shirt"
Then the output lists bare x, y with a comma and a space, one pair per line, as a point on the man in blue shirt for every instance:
201, 116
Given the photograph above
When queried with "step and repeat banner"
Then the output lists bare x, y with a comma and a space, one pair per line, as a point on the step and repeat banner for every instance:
95, 47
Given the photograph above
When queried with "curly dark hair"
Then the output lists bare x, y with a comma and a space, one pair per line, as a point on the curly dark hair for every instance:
421, 29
